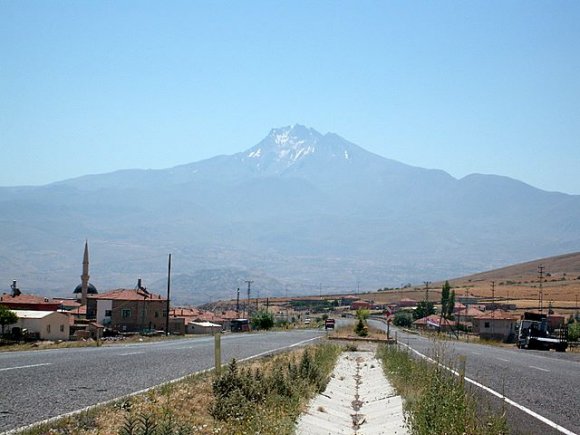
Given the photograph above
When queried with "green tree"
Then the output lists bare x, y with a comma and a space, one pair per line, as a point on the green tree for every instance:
424, 309
363, 314
7, 317
445, 296
403, 318
262, 320
451, 304
361, 328
574, 331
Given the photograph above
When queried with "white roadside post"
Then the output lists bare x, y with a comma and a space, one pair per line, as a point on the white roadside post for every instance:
218, 352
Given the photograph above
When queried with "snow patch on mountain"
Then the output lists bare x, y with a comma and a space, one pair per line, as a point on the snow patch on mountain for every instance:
255, 154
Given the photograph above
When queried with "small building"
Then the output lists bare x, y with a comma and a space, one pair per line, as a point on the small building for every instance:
66, 304
407, 303
496, 325
467, 300
203, 327
20, 301
434, 322
128, 310
467, 314
240, 325
360, 305
45, 325
556, 321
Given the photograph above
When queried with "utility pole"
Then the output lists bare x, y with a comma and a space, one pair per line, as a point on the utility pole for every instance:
238, 303
426, 290
493, 306
248, 305
168, 292
541, 292
287, 302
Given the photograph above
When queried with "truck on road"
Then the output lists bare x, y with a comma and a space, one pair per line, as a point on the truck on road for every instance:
534, 333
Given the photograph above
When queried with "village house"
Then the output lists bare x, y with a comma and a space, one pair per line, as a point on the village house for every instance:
407, 303
361, 305
434, 322
44, 325
19, 301
496, 325
467, 314
203, 327
195, 315
128, 310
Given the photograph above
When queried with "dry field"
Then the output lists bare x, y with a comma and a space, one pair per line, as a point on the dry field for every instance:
518, 284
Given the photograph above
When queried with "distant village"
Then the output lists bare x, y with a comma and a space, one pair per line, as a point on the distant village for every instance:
88, 314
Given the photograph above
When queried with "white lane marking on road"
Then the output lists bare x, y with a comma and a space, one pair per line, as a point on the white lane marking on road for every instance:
539, 368
269, 352
24, 367
528, 411
136, 393
476, 353
503, 359
130, 353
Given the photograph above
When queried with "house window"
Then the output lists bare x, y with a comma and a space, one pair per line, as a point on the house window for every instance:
108, 313
164, 313
486, 325
125, 313
61, 328
156, 314
48, 329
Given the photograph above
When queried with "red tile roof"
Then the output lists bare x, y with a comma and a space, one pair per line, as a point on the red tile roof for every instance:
434, 320
69, 303
123, 294
498, 315
79, 311
25, 299
469, 312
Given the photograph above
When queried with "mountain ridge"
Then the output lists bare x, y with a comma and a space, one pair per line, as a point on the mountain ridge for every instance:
300, 206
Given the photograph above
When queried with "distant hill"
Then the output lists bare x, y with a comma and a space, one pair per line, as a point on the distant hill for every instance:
568, 264
300, 209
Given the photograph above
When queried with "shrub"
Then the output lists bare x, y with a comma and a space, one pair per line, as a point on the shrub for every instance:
435, 399
574, 331
361, 329
263, 320
403, 318
244, 397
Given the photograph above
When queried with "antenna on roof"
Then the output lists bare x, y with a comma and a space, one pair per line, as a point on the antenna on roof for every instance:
140, 287
15, 290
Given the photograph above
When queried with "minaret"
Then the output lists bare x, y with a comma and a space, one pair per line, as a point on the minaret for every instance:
85, 275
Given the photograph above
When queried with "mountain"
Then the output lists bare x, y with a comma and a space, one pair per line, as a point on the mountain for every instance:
298, 210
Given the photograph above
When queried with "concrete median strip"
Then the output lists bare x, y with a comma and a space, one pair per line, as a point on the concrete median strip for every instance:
358, 400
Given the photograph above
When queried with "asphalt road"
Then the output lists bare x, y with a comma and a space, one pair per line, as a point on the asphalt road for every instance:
547, 383
36, 385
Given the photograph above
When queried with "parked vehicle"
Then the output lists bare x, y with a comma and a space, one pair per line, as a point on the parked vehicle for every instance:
329, 323
533, 333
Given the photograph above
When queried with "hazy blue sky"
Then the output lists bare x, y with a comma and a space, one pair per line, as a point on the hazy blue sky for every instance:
95, 86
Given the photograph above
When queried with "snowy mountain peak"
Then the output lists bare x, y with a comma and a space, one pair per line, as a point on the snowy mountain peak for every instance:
295, 146
285, 146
